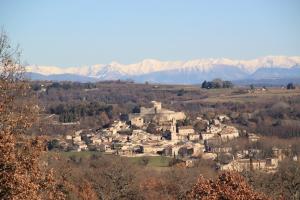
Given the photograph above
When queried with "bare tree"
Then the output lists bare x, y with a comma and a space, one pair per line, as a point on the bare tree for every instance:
21, 173
227, 186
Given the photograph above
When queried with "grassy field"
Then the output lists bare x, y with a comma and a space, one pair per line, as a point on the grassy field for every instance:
81, 154
149, 161
227, 95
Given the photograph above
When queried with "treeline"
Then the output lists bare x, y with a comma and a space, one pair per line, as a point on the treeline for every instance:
36, 86
217, 83
290, 86
72, 85
73, 112
66, 85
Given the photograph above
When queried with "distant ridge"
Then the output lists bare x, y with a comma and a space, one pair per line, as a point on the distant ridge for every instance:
59, 77
186, 72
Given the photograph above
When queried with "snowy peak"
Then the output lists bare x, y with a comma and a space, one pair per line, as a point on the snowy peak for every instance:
152, 69
51, 70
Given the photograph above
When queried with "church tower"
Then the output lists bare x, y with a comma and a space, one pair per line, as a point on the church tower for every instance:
174, 136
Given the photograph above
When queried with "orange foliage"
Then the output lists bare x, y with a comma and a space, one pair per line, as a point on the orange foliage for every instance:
21, 175
228, 186
86, 192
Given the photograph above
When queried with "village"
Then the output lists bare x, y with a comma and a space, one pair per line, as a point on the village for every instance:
156, 131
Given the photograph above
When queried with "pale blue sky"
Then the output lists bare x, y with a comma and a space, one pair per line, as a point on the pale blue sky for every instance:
77, 32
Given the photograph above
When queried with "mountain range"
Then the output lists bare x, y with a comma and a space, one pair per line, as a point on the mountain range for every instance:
277, 69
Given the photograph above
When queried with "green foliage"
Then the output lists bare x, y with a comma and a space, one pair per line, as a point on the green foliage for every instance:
71, 113
186, 122
36, 86
53, 144
136, 109
152, 129
290, 86
71, 85
216, 83
181, 92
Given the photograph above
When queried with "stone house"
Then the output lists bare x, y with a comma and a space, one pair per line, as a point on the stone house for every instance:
157, 113
137, 121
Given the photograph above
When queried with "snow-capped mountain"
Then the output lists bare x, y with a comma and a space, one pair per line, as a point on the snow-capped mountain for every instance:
192, 71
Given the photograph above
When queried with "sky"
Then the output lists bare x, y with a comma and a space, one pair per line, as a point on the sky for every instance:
86, 32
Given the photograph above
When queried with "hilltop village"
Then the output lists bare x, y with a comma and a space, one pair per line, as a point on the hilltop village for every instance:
157, 131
